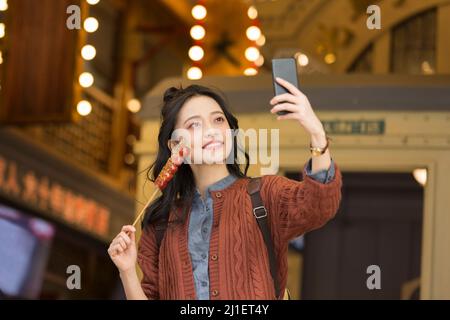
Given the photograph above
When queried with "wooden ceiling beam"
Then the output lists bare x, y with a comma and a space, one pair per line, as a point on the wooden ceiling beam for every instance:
181, 8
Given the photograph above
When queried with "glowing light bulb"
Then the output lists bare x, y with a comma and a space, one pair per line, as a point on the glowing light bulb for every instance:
252, 53
197, 32
88, 52
86, 79
2, 30
330, 58
253, 33
91, 24
302, 59
252, 12
250, 72
420, 175
260, 61
134, 105
3, 5
199, 12
261, 40
196, 53
194, 73
84, 107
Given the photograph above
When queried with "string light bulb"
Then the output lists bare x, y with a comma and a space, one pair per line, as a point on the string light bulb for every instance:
88, 52
252, 13
302, 59
330, 58
420, 175
194, 73
261, 40
250, 71
253, 33
84, 108
86, 79
90, 24
3, 5
197, 32
196, 53
252, 53
260, 61
134, 105
199, 12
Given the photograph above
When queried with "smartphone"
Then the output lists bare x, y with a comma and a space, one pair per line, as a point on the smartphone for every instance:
286, 69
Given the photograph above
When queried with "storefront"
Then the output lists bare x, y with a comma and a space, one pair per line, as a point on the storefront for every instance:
52, 216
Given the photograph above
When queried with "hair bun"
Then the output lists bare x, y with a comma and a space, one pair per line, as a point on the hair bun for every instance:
170, 93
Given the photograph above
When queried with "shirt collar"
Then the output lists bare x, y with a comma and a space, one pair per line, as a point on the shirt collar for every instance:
220, 184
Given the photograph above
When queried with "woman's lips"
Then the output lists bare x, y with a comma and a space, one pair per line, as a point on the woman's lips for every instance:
213, 145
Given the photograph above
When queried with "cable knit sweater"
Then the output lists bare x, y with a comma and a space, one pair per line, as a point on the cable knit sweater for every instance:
238, 259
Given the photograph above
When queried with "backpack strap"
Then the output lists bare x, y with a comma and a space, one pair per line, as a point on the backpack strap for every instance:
260, 213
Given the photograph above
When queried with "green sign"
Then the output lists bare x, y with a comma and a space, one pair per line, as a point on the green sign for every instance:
355, 127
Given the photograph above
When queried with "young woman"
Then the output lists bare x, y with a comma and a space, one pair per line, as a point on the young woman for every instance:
212, 247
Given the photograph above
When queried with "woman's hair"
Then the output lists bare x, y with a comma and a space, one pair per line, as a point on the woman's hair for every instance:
180, 191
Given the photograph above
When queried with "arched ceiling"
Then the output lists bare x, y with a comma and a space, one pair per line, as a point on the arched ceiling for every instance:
316, 27
335, 25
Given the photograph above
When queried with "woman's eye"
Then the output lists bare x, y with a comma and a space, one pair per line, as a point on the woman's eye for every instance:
220, 119
194, 125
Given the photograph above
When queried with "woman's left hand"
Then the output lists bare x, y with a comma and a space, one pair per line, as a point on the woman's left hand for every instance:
300, 108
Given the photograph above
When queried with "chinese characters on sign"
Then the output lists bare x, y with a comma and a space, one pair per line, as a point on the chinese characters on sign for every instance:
42, 193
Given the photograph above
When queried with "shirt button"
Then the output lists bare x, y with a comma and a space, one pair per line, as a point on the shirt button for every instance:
214, 257
204, 255
218, 195
205, 230
215, 293
204, 283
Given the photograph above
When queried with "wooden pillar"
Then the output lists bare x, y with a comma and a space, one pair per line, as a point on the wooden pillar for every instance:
123, 91
382, 54
442, 41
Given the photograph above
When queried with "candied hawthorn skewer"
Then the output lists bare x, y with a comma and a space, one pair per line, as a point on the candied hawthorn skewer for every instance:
167, 173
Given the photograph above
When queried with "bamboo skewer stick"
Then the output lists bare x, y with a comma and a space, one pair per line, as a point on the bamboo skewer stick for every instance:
145, 207
166, 174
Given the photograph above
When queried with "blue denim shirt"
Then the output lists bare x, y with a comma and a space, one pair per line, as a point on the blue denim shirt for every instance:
200, 224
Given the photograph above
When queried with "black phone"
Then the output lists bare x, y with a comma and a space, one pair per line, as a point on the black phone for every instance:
286, 69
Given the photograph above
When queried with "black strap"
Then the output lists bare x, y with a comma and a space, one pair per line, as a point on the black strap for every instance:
260, 213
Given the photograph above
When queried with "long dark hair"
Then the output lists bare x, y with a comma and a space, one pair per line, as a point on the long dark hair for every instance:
181, 189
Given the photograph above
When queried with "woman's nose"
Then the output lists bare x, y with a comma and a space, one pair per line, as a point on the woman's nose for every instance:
210, 133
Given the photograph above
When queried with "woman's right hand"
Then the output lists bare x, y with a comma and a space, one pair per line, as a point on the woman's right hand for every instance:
122, 250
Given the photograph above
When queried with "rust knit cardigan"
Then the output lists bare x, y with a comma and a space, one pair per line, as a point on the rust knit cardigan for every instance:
238, 259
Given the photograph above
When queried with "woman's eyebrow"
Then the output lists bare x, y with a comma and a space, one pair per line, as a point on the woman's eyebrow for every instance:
197, 116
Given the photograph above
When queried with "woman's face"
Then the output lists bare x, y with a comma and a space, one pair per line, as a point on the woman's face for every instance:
205, 130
